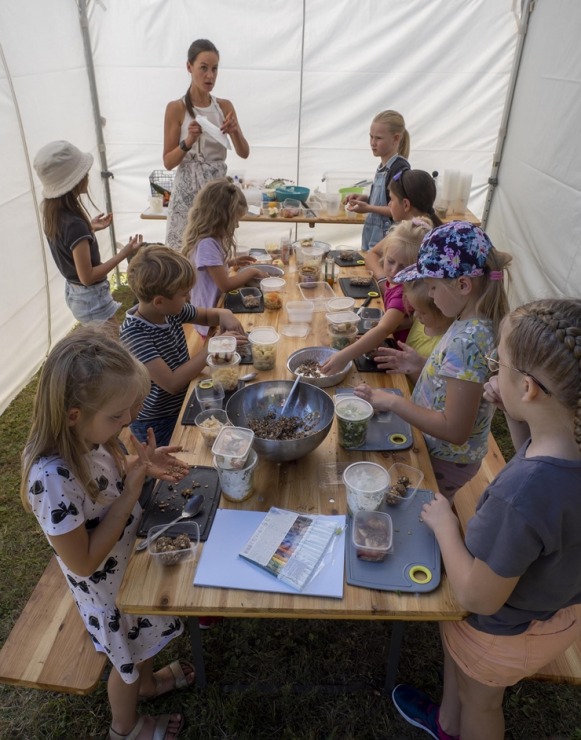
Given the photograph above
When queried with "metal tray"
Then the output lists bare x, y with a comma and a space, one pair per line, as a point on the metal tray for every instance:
415, 553
170, 493
192, 408
355, 291
383, 427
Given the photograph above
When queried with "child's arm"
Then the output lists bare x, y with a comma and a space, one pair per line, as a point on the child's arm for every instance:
174, 381
361, 206
404, 360
454, 424
388, 323
519, 430
222, 317
226, 281
476, 586
89, 274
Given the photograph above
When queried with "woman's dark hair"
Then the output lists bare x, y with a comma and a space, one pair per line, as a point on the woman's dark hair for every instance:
419, 188
197, 47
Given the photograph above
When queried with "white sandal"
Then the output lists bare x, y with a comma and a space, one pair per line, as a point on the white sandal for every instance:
159, 731
180, 679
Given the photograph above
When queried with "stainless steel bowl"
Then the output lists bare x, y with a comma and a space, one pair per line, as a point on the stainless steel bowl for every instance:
256, 400
271, 270
320, 355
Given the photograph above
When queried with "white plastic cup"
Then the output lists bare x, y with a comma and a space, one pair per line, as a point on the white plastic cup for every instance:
333, 203
365, 486
353, 415
238, 485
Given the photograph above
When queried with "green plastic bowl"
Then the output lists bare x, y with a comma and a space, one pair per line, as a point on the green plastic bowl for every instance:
292, 191
347, 191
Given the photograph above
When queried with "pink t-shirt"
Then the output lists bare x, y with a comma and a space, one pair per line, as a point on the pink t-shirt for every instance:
393, 298
205, 292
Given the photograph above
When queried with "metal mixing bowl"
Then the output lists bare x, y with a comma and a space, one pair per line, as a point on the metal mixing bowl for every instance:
270, 270
256, 400
320, 355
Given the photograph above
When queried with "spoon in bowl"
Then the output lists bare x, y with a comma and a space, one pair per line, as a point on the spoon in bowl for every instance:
191, 509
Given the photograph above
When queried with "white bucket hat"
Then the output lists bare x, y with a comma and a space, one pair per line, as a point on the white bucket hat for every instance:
60, 166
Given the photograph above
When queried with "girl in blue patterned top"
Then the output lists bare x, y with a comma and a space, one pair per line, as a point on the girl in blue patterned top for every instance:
84, 493
464, 273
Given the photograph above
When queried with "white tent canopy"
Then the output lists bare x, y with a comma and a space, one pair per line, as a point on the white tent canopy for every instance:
306, 79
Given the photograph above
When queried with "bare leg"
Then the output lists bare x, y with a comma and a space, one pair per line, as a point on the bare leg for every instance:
482, 717
449, 717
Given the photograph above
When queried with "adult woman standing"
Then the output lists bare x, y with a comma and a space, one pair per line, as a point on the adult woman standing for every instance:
198, 157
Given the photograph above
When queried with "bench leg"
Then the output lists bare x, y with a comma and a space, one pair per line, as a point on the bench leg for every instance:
397, 630
197, 652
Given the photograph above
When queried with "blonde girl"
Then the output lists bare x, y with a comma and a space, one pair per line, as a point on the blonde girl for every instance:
517, 571
84, 493
400, 248
464, 274
390, 141
198, 156
411, 195
64, 173
210, 245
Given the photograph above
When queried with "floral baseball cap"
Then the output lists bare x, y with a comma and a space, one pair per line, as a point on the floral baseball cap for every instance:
453, 250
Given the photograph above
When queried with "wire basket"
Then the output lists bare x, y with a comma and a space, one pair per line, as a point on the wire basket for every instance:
161, 181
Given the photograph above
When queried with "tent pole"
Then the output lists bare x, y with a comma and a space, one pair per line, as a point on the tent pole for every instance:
105, 173
528, 7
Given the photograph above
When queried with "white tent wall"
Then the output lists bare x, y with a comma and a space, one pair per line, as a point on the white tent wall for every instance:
306, 79
536, 208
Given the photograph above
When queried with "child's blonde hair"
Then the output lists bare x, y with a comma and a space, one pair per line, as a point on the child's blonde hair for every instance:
215, 213
418, 296
544, 338
492, 298
158, 270
396, 125
406, 237
83, 371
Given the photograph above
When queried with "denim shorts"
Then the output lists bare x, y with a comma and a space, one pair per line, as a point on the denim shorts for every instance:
90, 302
162, 428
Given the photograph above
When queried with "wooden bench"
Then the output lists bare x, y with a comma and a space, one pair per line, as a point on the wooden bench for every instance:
49, 647
567, 667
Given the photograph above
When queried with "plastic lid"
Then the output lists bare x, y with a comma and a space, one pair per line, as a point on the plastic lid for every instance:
221, 344
233, 442
295, 330
372, 530
366, 476
234, 360
264, 335
313, 251
340, 304
272, 283
353, 408
343, 317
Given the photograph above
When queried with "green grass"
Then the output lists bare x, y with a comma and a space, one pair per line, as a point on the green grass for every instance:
284, 679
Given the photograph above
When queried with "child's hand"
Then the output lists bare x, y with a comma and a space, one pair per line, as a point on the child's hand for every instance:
379, 400
358, 206
492, 393
230, 324
243, 261
102, 221
404, 360
438, 515
334, 364
167, 467
139, 464
133, 245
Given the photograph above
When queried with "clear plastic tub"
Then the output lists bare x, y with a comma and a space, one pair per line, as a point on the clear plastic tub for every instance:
340, 304
300, 312
342, 322
404, 481
319, 293
168, 549
221, 349
232, 446
372, 535
238, 485
250, 297
353, 415
225, 373
210, 394
340, 340
365, 485
264, 340
272, 289
210, 422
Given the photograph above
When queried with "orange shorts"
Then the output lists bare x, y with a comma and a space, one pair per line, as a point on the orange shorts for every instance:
503, 660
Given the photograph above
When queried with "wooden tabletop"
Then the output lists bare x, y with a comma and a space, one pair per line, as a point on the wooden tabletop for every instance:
300, 486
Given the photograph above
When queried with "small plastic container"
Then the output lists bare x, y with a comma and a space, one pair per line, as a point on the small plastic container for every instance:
264, 341
342, 322
309, 274
372, 535
232, 446
174, 549
404, 481
319, 293
238, 484
272, 289
300, 312
210, 422
365, 486
210, 394
291, 208
226, 374
250, 297
353, 415
294, 330
363, 279
340, 304
340, 340
221, 349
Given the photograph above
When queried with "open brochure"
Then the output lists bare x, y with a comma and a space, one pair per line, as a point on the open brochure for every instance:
290, 545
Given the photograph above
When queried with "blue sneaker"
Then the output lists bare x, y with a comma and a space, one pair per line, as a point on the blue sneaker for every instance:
419, 710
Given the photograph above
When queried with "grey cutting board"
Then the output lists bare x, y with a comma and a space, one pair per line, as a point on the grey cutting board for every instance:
379, 432
413, 544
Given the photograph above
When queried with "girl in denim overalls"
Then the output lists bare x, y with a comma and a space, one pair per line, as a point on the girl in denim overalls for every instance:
390, 141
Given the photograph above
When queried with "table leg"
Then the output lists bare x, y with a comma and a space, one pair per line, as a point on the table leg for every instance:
197, 651
397, 630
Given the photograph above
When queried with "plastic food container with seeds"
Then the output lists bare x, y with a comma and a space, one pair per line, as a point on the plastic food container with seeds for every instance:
353, 415
225, 373
309, 256
250, 297
272, 290
232, 446
221, 349
372, 535
168, 549
365, 486
209, 423
341, 340
264, 341
342, 322
404, 481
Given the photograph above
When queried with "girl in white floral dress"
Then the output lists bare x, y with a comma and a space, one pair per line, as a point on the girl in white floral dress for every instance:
84, 493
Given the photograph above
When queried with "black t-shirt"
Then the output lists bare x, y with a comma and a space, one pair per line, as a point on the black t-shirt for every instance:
72, 230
